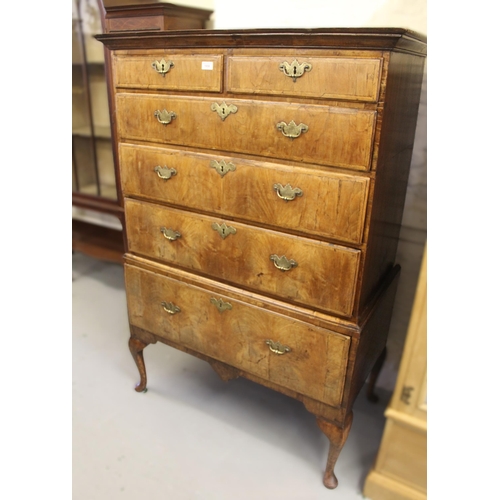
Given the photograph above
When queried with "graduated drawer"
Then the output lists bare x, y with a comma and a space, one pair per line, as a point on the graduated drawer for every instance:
235, 332
181, 72
324, 275
353, 79
335, 136
316, 202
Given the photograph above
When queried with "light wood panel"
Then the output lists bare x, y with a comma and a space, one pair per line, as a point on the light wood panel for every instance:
400, 470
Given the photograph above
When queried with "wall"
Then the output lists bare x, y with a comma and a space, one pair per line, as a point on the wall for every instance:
230, 14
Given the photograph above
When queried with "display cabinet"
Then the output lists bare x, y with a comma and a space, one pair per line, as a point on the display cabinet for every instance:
97, 207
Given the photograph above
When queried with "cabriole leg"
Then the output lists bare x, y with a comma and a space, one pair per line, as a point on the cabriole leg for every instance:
136, 347
337, 437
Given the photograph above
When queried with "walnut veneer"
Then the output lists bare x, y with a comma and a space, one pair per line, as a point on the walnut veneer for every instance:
263, 174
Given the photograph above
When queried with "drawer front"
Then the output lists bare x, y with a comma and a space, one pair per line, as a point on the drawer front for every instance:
166, 71
317, 77
334, 136
316, 202
314, 365
298, 270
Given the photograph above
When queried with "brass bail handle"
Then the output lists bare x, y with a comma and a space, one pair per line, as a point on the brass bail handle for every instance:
282, 263
165, 117
170, 234
277, 347
165, 173
292, 130
287, 193
170, 307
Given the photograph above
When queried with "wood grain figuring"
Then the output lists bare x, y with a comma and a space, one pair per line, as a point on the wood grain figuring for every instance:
336, 136
187, 73
329, 78
314, 366
324, 271
248, 193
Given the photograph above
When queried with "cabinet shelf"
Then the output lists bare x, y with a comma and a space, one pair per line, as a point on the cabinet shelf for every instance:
100, 132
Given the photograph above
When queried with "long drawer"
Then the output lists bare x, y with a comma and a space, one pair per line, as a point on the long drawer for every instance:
327, 135
279, 195
298, 270
291, 353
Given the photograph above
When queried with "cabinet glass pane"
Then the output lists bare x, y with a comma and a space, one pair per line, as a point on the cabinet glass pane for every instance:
93, 171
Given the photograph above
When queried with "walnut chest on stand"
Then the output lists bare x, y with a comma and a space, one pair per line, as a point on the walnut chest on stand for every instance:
264, 174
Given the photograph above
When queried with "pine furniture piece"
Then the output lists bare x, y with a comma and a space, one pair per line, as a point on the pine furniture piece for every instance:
98, 208
264, 174
400, 469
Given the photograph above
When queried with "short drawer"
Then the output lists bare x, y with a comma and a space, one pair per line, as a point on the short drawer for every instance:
312, 201
352, 79
313, 362
294, 269
326, 135
167, 71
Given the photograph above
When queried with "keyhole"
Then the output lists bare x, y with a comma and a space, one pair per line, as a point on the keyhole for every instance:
294, 70
162, 67
222, 168
223, 231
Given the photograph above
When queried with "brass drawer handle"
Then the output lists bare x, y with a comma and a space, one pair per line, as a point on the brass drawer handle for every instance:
165, 172
222, 167
294, 69
287, 193
170, 234
292, 130
162, 67
277, 347
165, 117
170, 307
223, 110
282, 263
221, 305
223, 229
